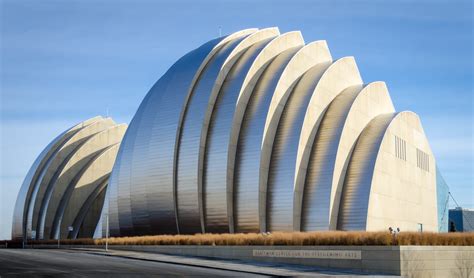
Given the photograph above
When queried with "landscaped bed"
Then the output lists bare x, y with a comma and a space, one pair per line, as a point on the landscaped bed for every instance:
278, 238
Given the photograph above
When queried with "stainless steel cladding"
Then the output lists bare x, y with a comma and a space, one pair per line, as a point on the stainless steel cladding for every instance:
280, 192
282, 173
63, 177
317, 193
244, 210
229, 138
357, 185
217, 202
189, 166
344, 120
252, 132
248, 194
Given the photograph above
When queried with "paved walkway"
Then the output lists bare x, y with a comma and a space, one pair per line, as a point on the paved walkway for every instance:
256, 268
73, 263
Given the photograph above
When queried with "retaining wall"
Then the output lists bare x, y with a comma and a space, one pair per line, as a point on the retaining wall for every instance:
408, 261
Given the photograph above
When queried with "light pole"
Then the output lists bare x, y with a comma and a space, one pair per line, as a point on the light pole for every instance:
59, 233
107, 232
25, 238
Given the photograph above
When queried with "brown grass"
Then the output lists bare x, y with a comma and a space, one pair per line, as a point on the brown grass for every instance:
280, 238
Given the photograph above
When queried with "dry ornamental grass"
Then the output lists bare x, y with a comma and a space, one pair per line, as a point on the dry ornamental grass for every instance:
281, 238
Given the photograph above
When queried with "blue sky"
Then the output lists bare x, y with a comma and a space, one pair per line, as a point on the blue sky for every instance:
65, 61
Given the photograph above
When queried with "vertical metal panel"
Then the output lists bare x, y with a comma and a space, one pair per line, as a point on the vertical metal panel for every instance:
60, 160
120, 218
120, 198
111, 205
55, 166
143, 176
279, 202
49, 178
209, 125
358, 181
215, 164
271, 50
317, 190
372, 101
25, 202
68, 174
285, 149
247, 165
188, 191
216, 194
181, 120
139, 135
340, 75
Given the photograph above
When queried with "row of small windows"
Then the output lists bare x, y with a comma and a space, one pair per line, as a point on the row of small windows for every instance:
400, 148
422, 158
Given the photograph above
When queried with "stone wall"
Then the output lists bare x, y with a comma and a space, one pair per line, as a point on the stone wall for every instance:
408, 261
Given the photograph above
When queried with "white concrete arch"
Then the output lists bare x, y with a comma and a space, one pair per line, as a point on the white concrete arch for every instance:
68, 174
229, 38
217, 126
343, 73
249, 144
242, 220
250, 132
194, 130
56, 164
408, 184
357, 183
277, 201
24, 201
344, 120
279, 44
373, 100
91, 221
386, 171
307, 57
91, 177
88, 205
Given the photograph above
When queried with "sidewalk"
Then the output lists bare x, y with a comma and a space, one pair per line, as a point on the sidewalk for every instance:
231, 265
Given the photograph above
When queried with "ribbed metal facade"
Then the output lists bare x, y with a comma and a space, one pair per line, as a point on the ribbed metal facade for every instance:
356, 190
218, 198
252, 132
247, 133
63, 187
